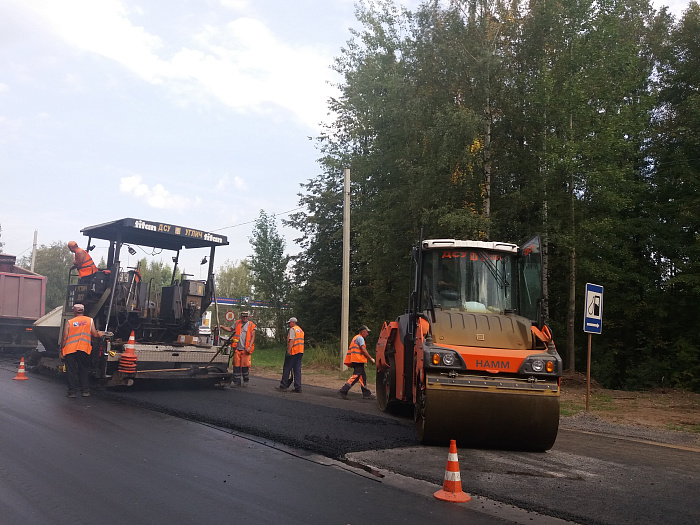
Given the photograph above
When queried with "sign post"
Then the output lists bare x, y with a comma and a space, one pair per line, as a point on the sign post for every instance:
592, 324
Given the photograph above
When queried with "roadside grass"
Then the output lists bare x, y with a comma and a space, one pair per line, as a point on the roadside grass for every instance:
694, 428
570, 408
599, 402
318, 359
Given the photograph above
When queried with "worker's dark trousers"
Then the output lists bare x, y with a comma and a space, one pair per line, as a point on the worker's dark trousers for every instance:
292, 366
241, 371
360, 375
78, 370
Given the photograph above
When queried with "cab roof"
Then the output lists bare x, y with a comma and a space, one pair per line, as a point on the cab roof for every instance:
430, 244
154, 234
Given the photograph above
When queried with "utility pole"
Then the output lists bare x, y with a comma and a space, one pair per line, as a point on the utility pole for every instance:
346, 273
31, 266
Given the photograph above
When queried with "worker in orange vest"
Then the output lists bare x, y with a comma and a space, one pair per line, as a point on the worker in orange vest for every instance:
292, 359
76, 348
243, 342
83, 262
357, 357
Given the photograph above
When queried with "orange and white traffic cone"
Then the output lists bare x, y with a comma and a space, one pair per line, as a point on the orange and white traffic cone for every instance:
20, 373
127, 361
452, 486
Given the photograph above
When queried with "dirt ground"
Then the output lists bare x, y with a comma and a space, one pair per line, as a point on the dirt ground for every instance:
666, 409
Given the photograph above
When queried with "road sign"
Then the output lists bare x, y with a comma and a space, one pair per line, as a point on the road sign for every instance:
593, 309
230, 316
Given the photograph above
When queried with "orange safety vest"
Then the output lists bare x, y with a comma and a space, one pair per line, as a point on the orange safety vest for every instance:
83, 262
298, 342
355, 354
248, 334
79, 336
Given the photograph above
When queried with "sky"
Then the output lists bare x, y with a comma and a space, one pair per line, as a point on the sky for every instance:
198, 113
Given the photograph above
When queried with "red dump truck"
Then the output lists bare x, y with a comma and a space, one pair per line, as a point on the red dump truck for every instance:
22, 301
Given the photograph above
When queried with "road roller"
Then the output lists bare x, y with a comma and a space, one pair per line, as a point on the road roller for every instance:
473, 354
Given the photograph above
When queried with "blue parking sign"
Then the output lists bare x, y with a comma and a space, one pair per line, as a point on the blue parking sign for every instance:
593, 309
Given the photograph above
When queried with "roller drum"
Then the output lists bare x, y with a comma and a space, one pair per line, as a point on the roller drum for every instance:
488, 417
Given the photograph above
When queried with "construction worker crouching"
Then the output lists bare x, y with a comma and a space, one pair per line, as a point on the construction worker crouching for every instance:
76, 348
243, 343
357, 357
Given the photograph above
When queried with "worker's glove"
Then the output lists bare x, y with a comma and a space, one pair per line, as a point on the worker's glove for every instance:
108, 334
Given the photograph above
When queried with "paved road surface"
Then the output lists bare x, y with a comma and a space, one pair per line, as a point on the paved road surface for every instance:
94, 460
585, 478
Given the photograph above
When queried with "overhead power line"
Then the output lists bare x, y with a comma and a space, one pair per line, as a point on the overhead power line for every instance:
251, 222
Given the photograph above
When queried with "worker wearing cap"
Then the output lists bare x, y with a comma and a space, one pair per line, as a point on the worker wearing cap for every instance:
83, 262
244, 332
76, 347
357, 357
292, 359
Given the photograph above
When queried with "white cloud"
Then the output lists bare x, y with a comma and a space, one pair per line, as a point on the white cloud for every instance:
224, 184
103, 27
238, 61
238, 5
157, 196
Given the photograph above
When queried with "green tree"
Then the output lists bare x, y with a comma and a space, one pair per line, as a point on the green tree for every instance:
268, 272
675, 181
233, 279
155, 274
317, 272
2, 244
53, 262
492, 120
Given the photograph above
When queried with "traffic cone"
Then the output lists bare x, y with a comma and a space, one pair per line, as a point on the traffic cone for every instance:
452, 486
20, 374
127, 361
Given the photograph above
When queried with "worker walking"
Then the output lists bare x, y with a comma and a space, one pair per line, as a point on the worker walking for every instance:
293, 356
243, 343
76, 348
357, 357
82, 262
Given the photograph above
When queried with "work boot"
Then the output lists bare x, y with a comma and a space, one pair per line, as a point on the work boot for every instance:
86, 394
344, 395
70, 394
297, 390
367, 396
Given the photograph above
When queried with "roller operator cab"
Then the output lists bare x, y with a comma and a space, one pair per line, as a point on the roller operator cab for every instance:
165, 322
472, 355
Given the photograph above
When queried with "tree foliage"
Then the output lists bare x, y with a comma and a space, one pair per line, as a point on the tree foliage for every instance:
233, 279
268, 273
487, 119
155, 274
53, 262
